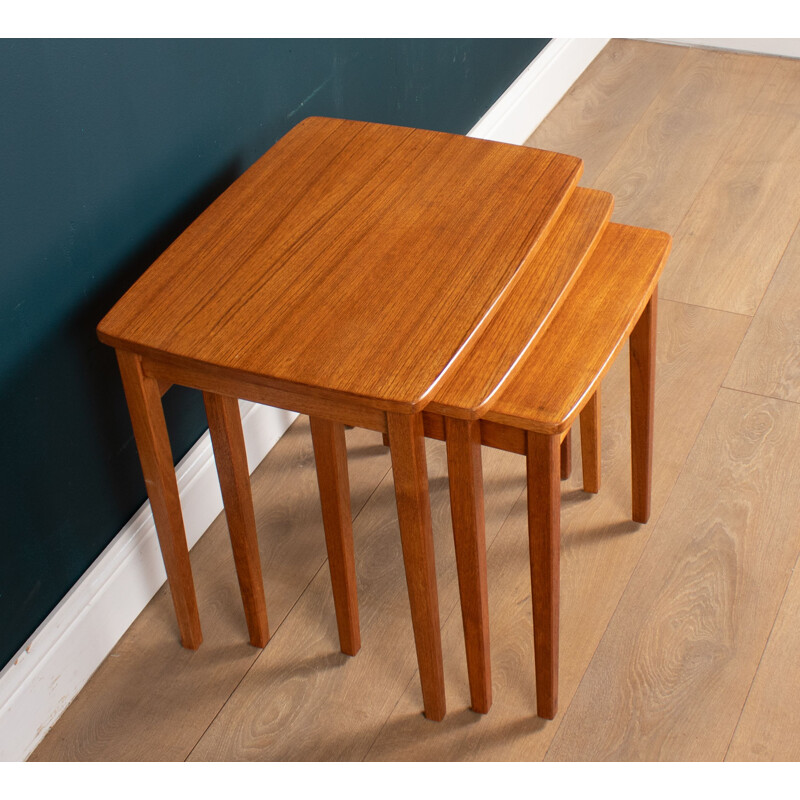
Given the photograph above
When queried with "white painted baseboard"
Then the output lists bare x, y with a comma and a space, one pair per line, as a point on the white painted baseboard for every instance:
42, 680
61, 655
533, 95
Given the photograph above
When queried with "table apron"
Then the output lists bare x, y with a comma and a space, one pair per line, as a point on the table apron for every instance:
344, 411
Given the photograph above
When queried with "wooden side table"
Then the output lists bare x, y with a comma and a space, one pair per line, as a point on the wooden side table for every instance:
342, 276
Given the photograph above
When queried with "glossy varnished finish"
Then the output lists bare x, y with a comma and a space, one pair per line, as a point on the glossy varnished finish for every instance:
561, 369
389, 246
613, 296
225, 426
524, 315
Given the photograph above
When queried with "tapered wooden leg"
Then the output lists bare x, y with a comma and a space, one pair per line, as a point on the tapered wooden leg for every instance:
590, 443
566, 456
150, 431
643, 390
466, 505
407, 444
225, 425
544, 532
330, 452
385, 439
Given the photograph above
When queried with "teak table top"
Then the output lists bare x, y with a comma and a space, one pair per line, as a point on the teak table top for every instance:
528, 309
353, 258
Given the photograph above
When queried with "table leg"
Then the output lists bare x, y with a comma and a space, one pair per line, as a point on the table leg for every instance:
466, 505
643, 385
566, 456
155, 454
407, 445
227, 438
544, 533
334, 492
590, 443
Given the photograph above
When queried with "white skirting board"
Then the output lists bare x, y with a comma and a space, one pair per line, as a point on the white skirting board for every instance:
61, 655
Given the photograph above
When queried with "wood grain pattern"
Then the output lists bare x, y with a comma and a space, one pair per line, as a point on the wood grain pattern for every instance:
227, 438
558, 374
428, 226
600, 549
670, 678
407, 445
768, 362
544, 537
234, 383
602, 108
155, 455
330, 457
465, 478
718, 262
767, 729
662, 165
524, 315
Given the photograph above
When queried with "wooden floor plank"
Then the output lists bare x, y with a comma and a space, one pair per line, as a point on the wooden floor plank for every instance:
730, 242
662, 165
158, 698
600, 548
600, 110
769, 729
672, 673
768, 361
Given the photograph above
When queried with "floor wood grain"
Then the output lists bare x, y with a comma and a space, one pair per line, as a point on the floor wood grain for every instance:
672, 673
768, 361
716, 261
600, 549
160, 698
768, 727
678, 638
658, 170
601, 109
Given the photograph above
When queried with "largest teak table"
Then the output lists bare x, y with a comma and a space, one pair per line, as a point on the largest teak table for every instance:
343, 276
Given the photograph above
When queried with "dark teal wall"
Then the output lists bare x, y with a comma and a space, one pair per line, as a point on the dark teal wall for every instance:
108, 149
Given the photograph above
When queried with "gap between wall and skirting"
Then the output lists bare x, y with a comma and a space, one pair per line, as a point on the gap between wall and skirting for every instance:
61, 655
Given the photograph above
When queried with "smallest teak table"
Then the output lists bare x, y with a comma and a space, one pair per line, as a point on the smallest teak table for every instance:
342, 276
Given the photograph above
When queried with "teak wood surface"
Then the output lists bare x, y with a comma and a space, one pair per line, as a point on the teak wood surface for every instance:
563, 366
523, 318
613, 297
352, 260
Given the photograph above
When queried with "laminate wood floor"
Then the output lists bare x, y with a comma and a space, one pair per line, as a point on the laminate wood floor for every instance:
679, 638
